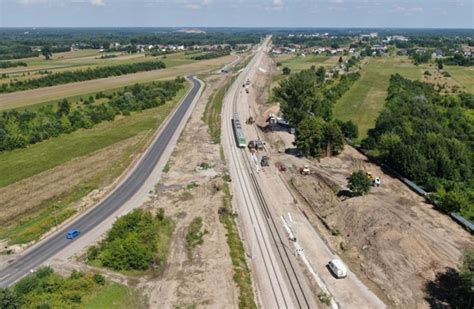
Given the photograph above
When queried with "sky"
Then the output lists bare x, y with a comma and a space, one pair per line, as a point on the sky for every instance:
238, 13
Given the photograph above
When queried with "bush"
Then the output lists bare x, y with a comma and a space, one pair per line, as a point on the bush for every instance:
360, 183
9, 299
286, 71
99, 279
133, 242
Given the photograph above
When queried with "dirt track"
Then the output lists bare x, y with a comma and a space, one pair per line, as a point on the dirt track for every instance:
34, 96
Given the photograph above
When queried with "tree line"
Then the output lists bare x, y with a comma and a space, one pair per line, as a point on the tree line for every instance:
19, 129
212, 55
12, 64
428, 138
81, 75
134, 241
459, 59
306, 100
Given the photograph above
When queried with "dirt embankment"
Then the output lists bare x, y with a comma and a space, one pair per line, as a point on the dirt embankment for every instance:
201, 276
390, 237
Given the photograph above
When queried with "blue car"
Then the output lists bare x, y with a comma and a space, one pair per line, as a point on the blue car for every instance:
72, 234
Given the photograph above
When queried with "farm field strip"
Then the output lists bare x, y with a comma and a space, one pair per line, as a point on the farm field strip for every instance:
365, 100
35, 96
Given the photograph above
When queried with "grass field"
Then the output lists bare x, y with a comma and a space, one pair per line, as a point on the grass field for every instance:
23, 163
365, 100
298, 63
35, 96
114, 296
463, 75
84, 59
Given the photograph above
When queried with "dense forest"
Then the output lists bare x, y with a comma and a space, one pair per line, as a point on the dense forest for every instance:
428, 138
81, 75
18, 129
307, 99
20, 43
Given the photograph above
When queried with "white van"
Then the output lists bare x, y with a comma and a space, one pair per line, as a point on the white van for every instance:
338, 268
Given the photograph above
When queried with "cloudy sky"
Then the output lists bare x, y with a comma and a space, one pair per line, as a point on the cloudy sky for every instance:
238, 13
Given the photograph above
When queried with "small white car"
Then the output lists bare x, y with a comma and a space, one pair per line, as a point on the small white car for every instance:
338, 268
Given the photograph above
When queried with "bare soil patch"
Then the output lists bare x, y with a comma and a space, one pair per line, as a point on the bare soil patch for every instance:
390, 237
201, 276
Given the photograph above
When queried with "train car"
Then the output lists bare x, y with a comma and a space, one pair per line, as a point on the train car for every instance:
239, 135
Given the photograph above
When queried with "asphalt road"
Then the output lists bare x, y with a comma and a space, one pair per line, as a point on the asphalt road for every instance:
57, 242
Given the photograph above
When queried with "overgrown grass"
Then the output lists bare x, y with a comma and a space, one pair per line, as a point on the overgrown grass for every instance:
463, 75
115, 296
212, 113
242, 276
195, 234
46, 289
365, 100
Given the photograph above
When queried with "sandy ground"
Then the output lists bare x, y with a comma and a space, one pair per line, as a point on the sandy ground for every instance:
201, 276
391, 239
30, 97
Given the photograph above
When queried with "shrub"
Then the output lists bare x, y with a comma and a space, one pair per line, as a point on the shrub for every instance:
360, 183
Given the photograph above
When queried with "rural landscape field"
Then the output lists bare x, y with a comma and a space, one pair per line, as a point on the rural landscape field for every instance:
305, 156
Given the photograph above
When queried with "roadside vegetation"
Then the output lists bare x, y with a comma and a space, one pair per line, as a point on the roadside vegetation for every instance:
137, 242
307, 99
428, 138
242, 275
81, 75
12, 64
46, 289
212, 113
18, 129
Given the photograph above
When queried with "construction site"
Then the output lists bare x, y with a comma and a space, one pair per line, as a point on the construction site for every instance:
392, 240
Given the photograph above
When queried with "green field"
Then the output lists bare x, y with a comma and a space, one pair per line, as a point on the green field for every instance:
463, 75
23, 163
298, 63
365, 100
115, 296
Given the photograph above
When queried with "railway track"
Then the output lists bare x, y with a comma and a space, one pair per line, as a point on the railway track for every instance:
254, 197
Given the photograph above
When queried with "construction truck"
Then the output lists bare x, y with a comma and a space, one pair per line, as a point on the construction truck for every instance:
305, 170
376, 181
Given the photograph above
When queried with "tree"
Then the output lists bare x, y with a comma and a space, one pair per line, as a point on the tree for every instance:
309, 135
360, 183
340, 60
46, 52
349, 129
9, 299
333, 139
440, 64
286, 71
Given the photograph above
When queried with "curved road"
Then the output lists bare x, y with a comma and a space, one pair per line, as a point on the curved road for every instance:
57, 242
